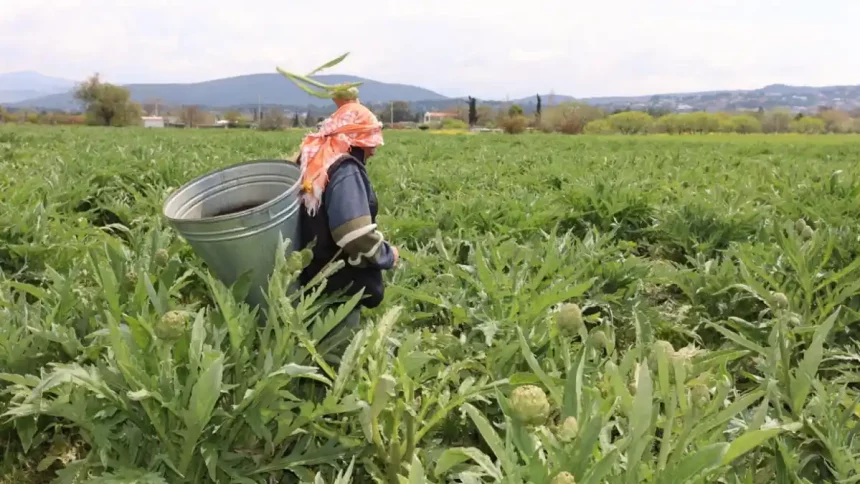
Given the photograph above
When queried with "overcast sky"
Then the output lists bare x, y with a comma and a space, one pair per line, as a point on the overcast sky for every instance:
486, 48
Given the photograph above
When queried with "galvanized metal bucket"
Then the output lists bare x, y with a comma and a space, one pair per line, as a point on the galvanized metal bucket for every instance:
234, 218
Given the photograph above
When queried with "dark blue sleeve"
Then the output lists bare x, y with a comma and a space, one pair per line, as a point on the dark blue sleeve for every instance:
352, 228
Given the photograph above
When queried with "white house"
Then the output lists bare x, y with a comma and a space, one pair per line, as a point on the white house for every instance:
152, 121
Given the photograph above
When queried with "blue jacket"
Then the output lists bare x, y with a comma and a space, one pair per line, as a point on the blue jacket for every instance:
344, 227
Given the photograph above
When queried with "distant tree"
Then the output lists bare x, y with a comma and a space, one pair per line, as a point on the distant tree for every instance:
538, 109
296, 123
233, 117
724, 123
191, 116
599, 126
631, 122
473, 111
399, 110
702, 122
808, 125
383, 115
513, 123
745, 124
107, 104
3, 114
673, 123
273, 120
777, 121
569, 117
835, 121
656, 112
515, 110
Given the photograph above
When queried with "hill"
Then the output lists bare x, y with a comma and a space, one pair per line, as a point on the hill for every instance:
23, 85
796, 98
33, 91
267, 89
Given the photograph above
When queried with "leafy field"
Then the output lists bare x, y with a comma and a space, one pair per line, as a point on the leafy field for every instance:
568, 309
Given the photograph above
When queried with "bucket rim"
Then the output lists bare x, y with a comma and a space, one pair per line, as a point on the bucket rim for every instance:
220, 218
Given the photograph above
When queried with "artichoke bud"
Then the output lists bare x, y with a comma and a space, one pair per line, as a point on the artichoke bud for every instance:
599, 339
294, 262
701, 395
568, 430
780, 300
569, 319
161, 257
807, 232
131, 277
800, 225
307, 256
530, 405
564, 478
172, 325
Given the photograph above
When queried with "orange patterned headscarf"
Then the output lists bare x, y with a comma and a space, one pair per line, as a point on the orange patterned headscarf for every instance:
351, 125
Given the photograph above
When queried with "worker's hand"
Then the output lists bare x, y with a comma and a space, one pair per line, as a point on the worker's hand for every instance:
396, 254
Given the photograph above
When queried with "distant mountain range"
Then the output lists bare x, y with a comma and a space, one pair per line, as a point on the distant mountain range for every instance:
31, 90
266, 89
20, 86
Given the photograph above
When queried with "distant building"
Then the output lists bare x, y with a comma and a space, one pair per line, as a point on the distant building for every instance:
152, 121
431, 117
174, 121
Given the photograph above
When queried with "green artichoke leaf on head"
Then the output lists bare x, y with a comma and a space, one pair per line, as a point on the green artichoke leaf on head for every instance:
345, 91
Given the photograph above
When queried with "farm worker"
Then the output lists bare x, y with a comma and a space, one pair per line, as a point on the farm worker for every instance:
339, 210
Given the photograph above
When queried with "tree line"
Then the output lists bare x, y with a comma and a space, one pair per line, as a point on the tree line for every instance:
576, 119
580, 118
111, 105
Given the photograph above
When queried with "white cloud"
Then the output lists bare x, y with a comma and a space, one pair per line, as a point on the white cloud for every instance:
479, 47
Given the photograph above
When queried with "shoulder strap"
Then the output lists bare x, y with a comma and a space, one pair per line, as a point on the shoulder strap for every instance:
340, 161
